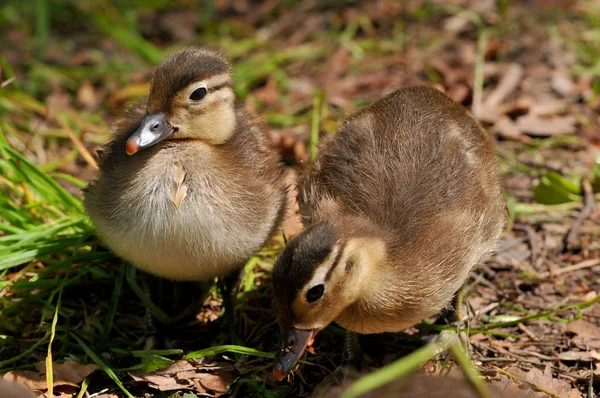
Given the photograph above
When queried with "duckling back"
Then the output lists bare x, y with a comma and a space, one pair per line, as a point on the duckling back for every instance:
416, 171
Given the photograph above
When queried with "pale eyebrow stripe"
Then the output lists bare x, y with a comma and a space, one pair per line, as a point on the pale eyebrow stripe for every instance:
218, 81
336, 261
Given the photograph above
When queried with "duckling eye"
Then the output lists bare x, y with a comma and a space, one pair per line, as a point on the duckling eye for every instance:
315, 293
198, 94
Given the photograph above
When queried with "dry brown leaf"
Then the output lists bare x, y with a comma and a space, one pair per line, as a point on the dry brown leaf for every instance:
509, 83
86, 95
208, 379
459, 92
13, 389
68, 374
217, 383
556, 386
544, 127
562, 83
546, 105
180, 24
587, 334
587, 356
506, 128
30, 379
584, 329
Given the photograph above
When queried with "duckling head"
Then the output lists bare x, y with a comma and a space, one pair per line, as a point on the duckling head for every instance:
191, 97
318, 275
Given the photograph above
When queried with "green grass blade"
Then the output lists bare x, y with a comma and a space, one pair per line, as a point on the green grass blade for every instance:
102, 365
235, 349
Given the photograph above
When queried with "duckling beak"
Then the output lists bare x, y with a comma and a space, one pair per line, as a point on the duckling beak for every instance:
292, 345
153, 129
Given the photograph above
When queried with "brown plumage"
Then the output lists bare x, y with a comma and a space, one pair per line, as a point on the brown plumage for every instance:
399, 206
187, 189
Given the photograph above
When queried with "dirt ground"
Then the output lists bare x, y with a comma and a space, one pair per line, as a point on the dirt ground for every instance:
528, 70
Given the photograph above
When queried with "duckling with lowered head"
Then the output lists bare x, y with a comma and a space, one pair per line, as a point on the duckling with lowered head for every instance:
399, 206
187, 189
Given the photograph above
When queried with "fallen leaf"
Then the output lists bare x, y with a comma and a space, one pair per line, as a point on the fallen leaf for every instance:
14, 389
506, 128
86, 95
30, 379
209, 379
548, 106
587, 334
545, 127
509, 83
584, 328
562, 83
588, 356
68, 374
180, 24
544, 379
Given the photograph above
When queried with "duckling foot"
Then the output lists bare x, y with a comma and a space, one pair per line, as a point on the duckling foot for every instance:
341, 377
354, 361
169, 304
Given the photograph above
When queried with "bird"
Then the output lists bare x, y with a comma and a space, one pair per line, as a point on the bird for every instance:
188, 189
398, 207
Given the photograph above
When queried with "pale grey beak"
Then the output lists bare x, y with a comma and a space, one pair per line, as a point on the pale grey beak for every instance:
153, 129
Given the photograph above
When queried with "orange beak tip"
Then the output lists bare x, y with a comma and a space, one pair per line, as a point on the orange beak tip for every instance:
278, 375
131, 147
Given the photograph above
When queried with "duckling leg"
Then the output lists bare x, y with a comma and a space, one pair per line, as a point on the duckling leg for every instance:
175, 302
352, 362
352, 352
150, 338
228, 287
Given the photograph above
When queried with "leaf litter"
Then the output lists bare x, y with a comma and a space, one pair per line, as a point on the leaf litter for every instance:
538, 97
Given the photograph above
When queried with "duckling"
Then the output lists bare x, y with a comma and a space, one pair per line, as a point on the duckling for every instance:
187, 189
398, 207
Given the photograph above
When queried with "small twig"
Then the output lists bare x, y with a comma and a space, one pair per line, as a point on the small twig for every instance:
544, 314
478, 79
486, 309
528, 332
509, 83
532, 240
7, 82
15, 278
570, 268
87, 156
533, 354
522, 380
572, 239
590, 392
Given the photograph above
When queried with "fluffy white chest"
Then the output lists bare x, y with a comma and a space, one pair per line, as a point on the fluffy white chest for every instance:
183, 225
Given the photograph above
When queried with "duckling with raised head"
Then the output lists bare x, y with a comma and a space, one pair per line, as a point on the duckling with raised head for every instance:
187, 188
398, 208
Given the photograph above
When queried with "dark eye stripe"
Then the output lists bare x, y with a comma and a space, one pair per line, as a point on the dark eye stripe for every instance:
335, 263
